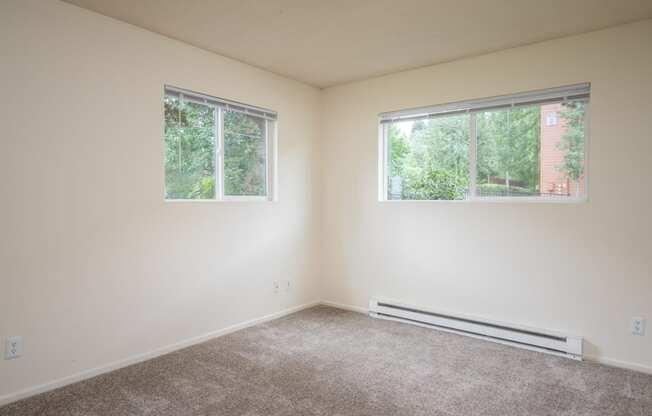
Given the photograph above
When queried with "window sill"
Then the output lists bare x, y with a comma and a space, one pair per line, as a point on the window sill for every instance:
493, 200
229, 199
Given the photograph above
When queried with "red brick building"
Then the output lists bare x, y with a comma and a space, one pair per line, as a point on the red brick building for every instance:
553, 128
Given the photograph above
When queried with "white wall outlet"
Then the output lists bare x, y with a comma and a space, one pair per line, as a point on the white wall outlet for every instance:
638, 326
277, 286
13, 347
288, 285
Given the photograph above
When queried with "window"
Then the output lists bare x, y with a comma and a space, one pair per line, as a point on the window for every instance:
217, 149
528, 147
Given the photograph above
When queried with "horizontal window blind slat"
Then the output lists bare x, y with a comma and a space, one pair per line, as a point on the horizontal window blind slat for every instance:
228, 105
577, 92
424, 116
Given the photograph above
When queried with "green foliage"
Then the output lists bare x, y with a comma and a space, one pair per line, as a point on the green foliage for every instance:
441, 144
399, 148
203, 189
509, 145
572, 143
434, 162
189, 149
433, 184
433, 159
244, 154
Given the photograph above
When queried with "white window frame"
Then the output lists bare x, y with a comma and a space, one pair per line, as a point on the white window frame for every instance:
220, 106
577, 92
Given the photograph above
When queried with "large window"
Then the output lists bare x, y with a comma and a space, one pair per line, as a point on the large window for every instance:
216, 149
528, 146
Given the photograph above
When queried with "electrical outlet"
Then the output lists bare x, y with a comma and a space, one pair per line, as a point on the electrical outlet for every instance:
277, 286
13, 347
638, 326
288, 285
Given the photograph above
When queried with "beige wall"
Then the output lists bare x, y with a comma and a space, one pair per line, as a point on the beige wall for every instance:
582, 268
95, 267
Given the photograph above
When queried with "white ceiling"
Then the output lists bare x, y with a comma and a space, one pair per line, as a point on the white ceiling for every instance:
329, 42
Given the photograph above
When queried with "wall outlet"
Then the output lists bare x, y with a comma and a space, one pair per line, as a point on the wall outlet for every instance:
638, 326
277, 286
288, 285
13, 347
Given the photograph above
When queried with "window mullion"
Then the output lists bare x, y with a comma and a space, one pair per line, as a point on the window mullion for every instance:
473, 155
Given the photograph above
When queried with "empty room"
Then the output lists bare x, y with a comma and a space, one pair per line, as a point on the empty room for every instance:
346, 208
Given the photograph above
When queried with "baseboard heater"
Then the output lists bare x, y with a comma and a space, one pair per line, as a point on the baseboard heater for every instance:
529, 338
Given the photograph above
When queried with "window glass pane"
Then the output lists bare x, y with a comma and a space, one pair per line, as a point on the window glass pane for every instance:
244, 154
189, 150
429, 159
533, 151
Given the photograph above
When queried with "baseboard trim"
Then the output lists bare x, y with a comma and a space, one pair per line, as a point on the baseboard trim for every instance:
350, 308
134, 359
592, 358
619, 364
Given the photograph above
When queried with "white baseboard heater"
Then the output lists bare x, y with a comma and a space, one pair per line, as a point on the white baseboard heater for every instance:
529, 338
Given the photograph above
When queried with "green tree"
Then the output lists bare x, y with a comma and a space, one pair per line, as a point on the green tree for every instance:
433, 159
572, 142
443, 144
190, 149
244, 154
399, 148
509, 145
437, 165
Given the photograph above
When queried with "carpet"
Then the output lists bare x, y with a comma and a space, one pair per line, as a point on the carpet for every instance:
325, 361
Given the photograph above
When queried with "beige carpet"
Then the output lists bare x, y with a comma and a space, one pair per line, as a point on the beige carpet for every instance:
325, 361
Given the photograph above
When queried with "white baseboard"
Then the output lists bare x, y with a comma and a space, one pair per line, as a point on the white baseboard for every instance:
64, 381
351, 308
619, 364
596, 359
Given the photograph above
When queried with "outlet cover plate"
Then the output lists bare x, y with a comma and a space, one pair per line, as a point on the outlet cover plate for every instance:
638, 326
13, 347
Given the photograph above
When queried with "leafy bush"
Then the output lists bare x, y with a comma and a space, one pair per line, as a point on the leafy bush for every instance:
434, 184
203, 189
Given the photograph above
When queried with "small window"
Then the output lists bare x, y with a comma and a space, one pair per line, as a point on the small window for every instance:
216, 149
528, 146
